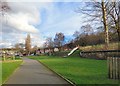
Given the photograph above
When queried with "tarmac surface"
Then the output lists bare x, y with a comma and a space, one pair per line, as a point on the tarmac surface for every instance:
33, 72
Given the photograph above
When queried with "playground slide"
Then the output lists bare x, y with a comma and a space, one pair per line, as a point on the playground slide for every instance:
72, 51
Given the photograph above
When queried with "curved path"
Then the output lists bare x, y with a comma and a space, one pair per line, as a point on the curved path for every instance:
33, 72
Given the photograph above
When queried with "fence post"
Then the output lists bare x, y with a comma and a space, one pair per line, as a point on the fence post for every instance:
108, 66
113, 67
118, 68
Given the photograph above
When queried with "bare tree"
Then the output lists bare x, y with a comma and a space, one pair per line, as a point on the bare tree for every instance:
19, 47
34, 49
87, 29
114, 16
59, 39
28, 44
98, 12
76, 35
45, 45
49, 42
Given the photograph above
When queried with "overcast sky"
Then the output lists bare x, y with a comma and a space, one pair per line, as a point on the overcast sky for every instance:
40, 19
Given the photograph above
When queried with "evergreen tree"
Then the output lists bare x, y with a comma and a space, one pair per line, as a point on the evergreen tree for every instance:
28, 44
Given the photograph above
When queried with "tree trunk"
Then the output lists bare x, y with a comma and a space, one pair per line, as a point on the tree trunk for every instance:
118, 31
105, 24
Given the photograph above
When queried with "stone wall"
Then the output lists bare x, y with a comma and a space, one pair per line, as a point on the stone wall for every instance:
100, 54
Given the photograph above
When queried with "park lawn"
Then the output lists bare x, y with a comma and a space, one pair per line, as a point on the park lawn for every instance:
0, 58
0, 73
78, 70
8, 67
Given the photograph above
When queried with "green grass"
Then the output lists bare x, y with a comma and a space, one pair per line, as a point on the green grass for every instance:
0, 73
79, 70
8, 67
0, 58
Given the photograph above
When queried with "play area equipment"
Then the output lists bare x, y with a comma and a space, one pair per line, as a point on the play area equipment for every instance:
72, 51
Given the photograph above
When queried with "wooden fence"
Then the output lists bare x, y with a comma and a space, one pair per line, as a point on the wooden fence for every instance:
113, 67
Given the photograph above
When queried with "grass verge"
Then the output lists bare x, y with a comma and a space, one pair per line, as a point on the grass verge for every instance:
78, 70
8, 67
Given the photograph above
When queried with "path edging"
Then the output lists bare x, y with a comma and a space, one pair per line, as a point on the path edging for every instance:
69, 81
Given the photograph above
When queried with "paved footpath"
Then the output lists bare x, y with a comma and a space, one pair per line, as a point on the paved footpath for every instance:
33, 72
